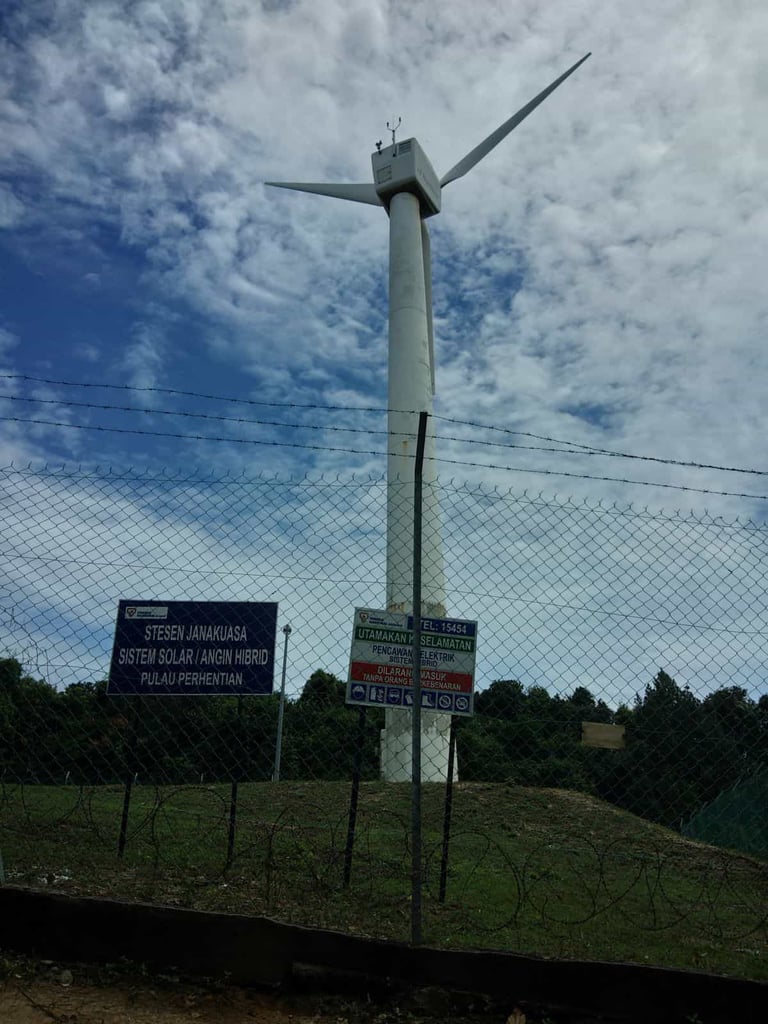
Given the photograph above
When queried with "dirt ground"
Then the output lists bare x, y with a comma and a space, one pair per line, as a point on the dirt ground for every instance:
38, 992
40, 1002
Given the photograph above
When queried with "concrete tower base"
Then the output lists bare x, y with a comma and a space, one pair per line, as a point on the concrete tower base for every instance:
396, 740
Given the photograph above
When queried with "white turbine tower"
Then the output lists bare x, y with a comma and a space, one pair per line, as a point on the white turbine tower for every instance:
405, 184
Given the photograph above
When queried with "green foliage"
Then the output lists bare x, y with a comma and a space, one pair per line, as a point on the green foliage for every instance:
321, 733
736, 819
545, 872
322, 690
85, 736
681, 753
504, 698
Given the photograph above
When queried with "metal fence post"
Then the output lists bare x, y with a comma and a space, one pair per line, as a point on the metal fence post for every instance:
233, 797
357, 769
130, 773
281, 711
447, 811
416, 923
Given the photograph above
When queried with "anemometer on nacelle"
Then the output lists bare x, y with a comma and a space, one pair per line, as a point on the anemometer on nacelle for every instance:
404, 167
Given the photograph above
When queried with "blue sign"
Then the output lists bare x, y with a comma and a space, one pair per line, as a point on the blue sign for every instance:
193, 648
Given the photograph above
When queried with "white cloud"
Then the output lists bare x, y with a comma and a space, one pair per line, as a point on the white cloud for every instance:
24, 442
88, 353
11, 208
7, 342
599, 277
142, 360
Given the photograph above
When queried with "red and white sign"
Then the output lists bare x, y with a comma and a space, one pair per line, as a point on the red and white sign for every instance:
381, 662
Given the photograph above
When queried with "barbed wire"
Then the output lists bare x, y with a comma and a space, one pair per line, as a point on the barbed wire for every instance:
700, 519
193, 394
372, 452
584, 449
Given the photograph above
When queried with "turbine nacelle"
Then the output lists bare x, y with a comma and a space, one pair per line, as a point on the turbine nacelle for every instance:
404, 167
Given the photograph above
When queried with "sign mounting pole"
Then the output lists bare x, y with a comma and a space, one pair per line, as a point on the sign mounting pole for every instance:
281, 711
416, 713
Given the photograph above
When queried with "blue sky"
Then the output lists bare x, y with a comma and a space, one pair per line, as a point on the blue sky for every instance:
599, 278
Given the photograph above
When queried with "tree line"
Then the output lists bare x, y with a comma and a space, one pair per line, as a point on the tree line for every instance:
681, 751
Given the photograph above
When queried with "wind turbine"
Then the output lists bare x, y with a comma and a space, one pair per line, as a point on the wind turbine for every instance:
406, 185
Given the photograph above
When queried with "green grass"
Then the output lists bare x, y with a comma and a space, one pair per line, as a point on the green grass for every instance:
550, 872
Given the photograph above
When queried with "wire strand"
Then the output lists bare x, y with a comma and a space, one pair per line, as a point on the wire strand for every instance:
584, 450
192, 394
355, 451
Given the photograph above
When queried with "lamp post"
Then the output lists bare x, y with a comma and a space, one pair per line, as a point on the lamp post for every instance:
281, 712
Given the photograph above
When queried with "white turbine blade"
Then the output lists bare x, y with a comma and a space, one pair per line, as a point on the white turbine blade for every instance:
355, 193
485, 147
426, 255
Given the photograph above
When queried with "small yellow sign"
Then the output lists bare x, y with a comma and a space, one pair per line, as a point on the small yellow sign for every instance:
599, 734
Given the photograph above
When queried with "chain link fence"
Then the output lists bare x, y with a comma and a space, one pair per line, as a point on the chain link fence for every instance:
643, 633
